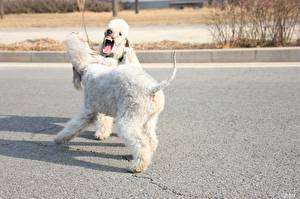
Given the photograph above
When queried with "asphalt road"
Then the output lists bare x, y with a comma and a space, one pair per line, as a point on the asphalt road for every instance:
225, 133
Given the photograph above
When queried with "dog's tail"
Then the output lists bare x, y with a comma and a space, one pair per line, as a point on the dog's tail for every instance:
163, 84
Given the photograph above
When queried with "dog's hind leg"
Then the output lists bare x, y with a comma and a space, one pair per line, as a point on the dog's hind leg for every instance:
150, 131
104, 126
131, 129
77, 124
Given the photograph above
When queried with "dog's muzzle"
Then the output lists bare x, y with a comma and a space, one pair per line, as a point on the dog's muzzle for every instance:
108, 43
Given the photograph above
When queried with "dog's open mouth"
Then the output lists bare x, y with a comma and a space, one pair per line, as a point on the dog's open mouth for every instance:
108, 45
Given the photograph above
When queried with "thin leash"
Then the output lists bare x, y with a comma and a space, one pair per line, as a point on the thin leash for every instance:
81, 6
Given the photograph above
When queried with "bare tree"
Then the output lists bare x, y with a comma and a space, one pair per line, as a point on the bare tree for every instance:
1, 9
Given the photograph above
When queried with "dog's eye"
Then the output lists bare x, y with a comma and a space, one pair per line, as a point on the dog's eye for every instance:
120, 33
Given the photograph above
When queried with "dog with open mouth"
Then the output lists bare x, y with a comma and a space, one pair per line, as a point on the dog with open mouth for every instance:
113, 51
116, 44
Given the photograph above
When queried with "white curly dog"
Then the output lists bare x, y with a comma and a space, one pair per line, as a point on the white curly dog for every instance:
127, 93
114, 50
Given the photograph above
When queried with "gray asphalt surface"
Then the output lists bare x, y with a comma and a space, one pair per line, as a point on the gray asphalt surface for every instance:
225, 133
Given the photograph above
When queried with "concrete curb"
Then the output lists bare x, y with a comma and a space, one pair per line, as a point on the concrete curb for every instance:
290, 54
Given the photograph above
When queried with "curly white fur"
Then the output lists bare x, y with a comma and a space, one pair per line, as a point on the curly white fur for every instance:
128, 94
122, 52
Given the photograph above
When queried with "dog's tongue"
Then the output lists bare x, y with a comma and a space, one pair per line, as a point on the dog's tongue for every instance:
107, 49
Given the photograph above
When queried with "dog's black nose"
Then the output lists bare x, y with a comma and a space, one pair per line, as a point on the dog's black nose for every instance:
108, 32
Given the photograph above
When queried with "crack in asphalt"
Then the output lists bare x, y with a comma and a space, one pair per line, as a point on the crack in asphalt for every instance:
163, 187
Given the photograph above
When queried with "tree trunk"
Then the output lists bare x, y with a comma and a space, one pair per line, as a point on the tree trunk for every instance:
115, 7
1, 9
137, 9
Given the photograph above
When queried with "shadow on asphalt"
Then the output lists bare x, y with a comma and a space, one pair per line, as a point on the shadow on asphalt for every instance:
49, 151
29, 124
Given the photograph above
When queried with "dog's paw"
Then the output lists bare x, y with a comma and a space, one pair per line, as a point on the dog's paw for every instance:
138, 166
59, 140
101, 136
132, 170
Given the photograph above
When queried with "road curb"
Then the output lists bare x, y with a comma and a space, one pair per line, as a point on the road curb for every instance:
290, 54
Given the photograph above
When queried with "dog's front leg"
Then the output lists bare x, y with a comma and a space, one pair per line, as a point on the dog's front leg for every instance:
104, 126
77, 124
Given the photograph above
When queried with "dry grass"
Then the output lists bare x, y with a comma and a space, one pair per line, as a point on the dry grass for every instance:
145, 17
47, 44
171, 45
34, 45
53, 45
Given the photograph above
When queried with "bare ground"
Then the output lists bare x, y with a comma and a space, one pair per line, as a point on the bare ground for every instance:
145, 17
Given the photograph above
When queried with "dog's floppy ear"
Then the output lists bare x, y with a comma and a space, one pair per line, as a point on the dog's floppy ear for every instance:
127, 43
76, 79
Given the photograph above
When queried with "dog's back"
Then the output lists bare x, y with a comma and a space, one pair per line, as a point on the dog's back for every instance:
105, 86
